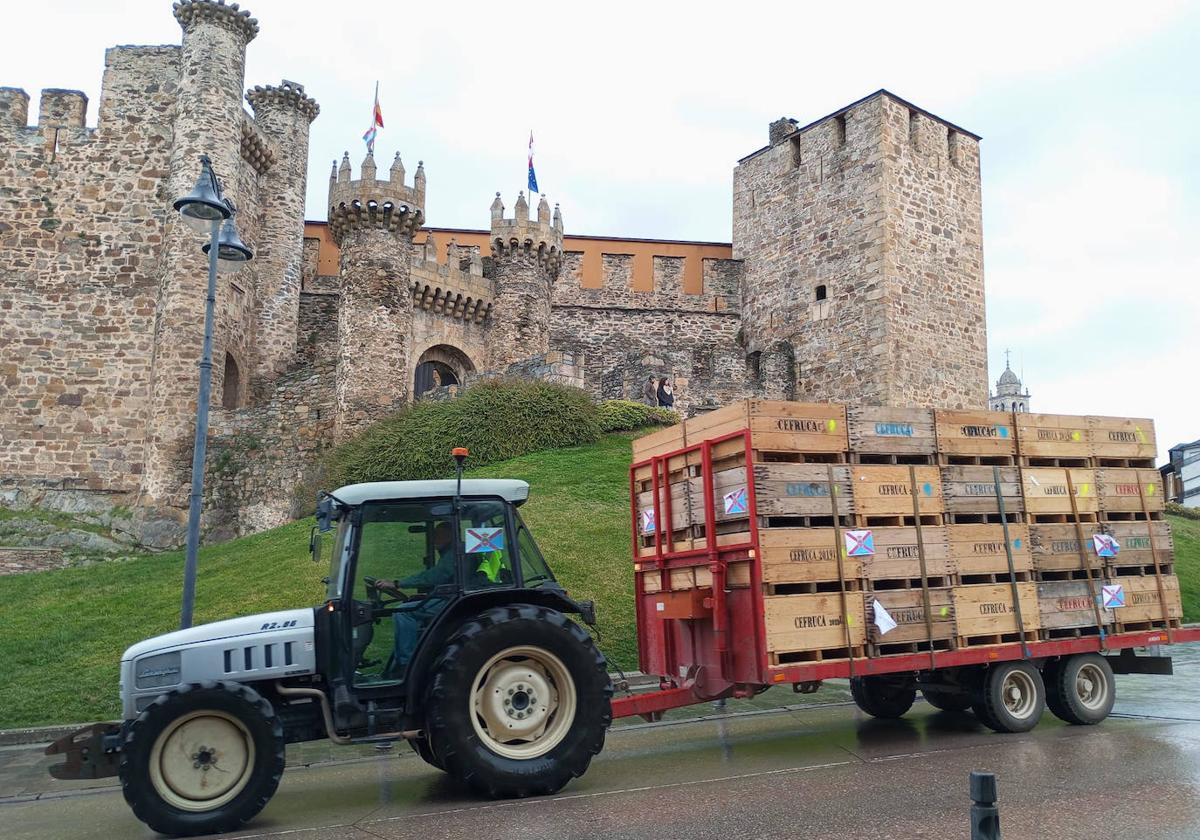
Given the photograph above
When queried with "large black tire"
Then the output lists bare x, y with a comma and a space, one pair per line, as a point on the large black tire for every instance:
1081, 689
1011, 697
532, 666
173, 745
947, 701
883, 697
428, 754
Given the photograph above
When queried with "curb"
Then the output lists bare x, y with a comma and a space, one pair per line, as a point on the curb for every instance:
46, 734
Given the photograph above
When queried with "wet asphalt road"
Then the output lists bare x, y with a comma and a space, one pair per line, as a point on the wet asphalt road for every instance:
818, 771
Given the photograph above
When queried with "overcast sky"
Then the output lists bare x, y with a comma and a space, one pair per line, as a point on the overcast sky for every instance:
1090, 114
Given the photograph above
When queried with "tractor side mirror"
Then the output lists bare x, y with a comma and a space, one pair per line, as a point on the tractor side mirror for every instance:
325, 513
314, 544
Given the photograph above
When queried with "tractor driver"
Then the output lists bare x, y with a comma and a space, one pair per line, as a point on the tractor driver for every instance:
412, 616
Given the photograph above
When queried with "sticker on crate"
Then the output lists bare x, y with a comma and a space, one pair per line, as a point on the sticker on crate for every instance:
883, 619
479, 540
736, 501
1106, 545
859, 543
1113, 595
648, 522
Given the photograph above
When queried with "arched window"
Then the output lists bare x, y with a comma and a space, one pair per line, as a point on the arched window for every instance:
231, 395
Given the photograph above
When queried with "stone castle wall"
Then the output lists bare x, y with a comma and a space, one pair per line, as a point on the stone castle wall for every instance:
836, 222
79, 274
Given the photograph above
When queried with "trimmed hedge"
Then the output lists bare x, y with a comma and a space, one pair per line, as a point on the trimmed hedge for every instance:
496, 419
1184, 511
626, 416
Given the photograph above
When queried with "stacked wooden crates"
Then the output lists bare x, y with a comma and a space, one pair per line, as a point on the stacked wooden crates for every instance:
863, 504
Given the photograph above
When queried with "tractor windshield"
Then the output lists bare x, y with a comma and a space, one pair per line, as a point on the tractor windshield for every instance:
337, 560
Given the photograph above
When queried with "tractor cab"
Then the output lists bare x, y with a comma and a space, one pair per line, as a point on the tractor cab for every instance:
405, 555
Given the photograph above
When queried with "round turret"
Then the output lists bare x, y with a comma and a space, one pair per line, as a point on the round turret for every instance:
370, 203
231, 16
540, 239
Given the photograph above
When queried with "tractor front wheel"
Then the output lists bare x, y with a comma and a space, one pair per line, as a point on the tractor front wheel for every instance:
203, 759
519, 702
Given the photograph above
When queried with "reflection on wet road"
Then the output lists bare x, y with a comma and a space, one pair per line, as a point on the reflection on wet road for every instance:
790, 771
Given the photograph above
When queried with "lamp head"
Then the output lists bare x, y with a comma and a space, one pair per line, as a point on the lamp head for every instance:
203, 205
232, 253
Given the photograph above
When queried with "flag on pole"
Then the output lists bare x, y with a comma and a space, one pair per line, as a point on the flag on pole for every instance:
376, 123
533, 187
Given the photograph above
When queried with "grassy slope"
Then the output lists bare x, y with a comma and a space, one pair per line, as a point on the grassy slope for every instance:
1186, 534
62, 632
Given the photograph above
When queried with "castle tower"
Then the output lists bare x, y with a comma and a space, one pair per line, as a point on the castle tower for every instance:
208, 120
373, 223
284, 113
526, 255
862, 240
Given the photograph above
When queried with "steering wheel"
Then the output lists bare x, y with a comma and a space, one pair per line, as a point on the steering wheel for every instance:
378, 598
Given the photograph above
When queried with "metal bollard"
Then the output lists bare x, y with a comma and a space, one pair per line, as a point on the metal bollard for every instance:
985, 814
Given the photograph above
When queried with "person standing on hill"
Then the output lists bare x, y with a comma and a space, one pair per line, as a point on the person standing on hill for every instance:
666, 399
650, 392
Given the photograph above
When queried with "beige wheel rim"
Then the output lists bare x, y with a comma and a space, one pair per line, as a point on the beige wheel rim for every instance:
523, 702
1020, 694
202, 760
1091, 687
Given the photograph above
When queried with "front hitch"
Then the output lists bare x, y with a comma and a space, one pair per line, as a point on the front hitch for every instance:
93, 752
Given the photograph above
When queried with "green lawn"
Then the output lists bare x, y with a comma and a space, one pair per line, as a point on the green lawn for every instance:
62, 632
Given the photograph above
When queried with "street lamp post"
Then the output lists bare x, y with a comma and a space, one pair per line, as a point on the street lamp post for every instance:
206, 210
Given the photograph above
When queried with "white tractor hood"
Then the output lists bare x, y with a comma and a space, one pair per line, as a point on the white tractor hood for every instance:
230, 629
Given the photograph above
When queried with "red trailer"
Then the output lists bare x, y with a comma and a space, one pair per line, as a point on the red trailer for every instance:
710, 643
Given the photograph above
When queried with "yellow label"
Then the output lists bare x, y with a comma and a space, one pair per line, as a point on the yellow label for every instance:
831, 425
1076, 436
1084, 489
1149, 489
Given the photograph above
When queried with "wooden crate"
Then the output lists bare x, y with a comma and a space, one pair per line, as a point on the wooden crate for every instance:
812, 622
1053, 436
1123, 438
1046, 490
1134, 538
986, 434
986, 610
780, 490
696, 577
980, 550
896, 556
776, 425
972, 489
1142, 602
658, 442
887, 490
1118, 489
887, 430
804, 555
688, 540
1055, 548
907, 609
1069, 604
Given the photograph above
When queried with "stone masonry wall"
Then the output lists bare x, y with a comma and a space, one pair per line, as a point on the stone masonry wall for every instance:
79, 278
16, 560
933, 262
808, 215
258, 457
836, 223
316, 336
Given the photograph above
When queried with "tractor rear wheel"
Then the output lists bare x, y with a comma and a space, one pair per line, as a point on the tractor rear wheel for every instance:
423, 748
203, 759
519, 702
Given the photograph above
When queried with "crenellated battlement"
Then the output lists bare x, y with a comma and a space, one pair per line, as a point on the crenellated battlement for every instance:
541, 237
256, 148
368, 202
284, 95
455, 288
191, 13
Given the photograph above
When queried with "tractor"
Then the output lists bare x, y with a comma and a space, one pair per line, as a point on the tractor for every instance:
442, 625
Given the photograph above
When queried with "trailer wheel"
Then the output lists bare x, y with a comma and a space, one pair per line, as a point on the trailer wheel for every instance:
947, 701
883, 697
1081, 689
1011, 697
519, 702
203, 759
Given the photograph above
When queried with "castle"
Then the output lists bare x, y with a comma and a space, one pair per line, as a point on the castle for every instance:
856, 273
